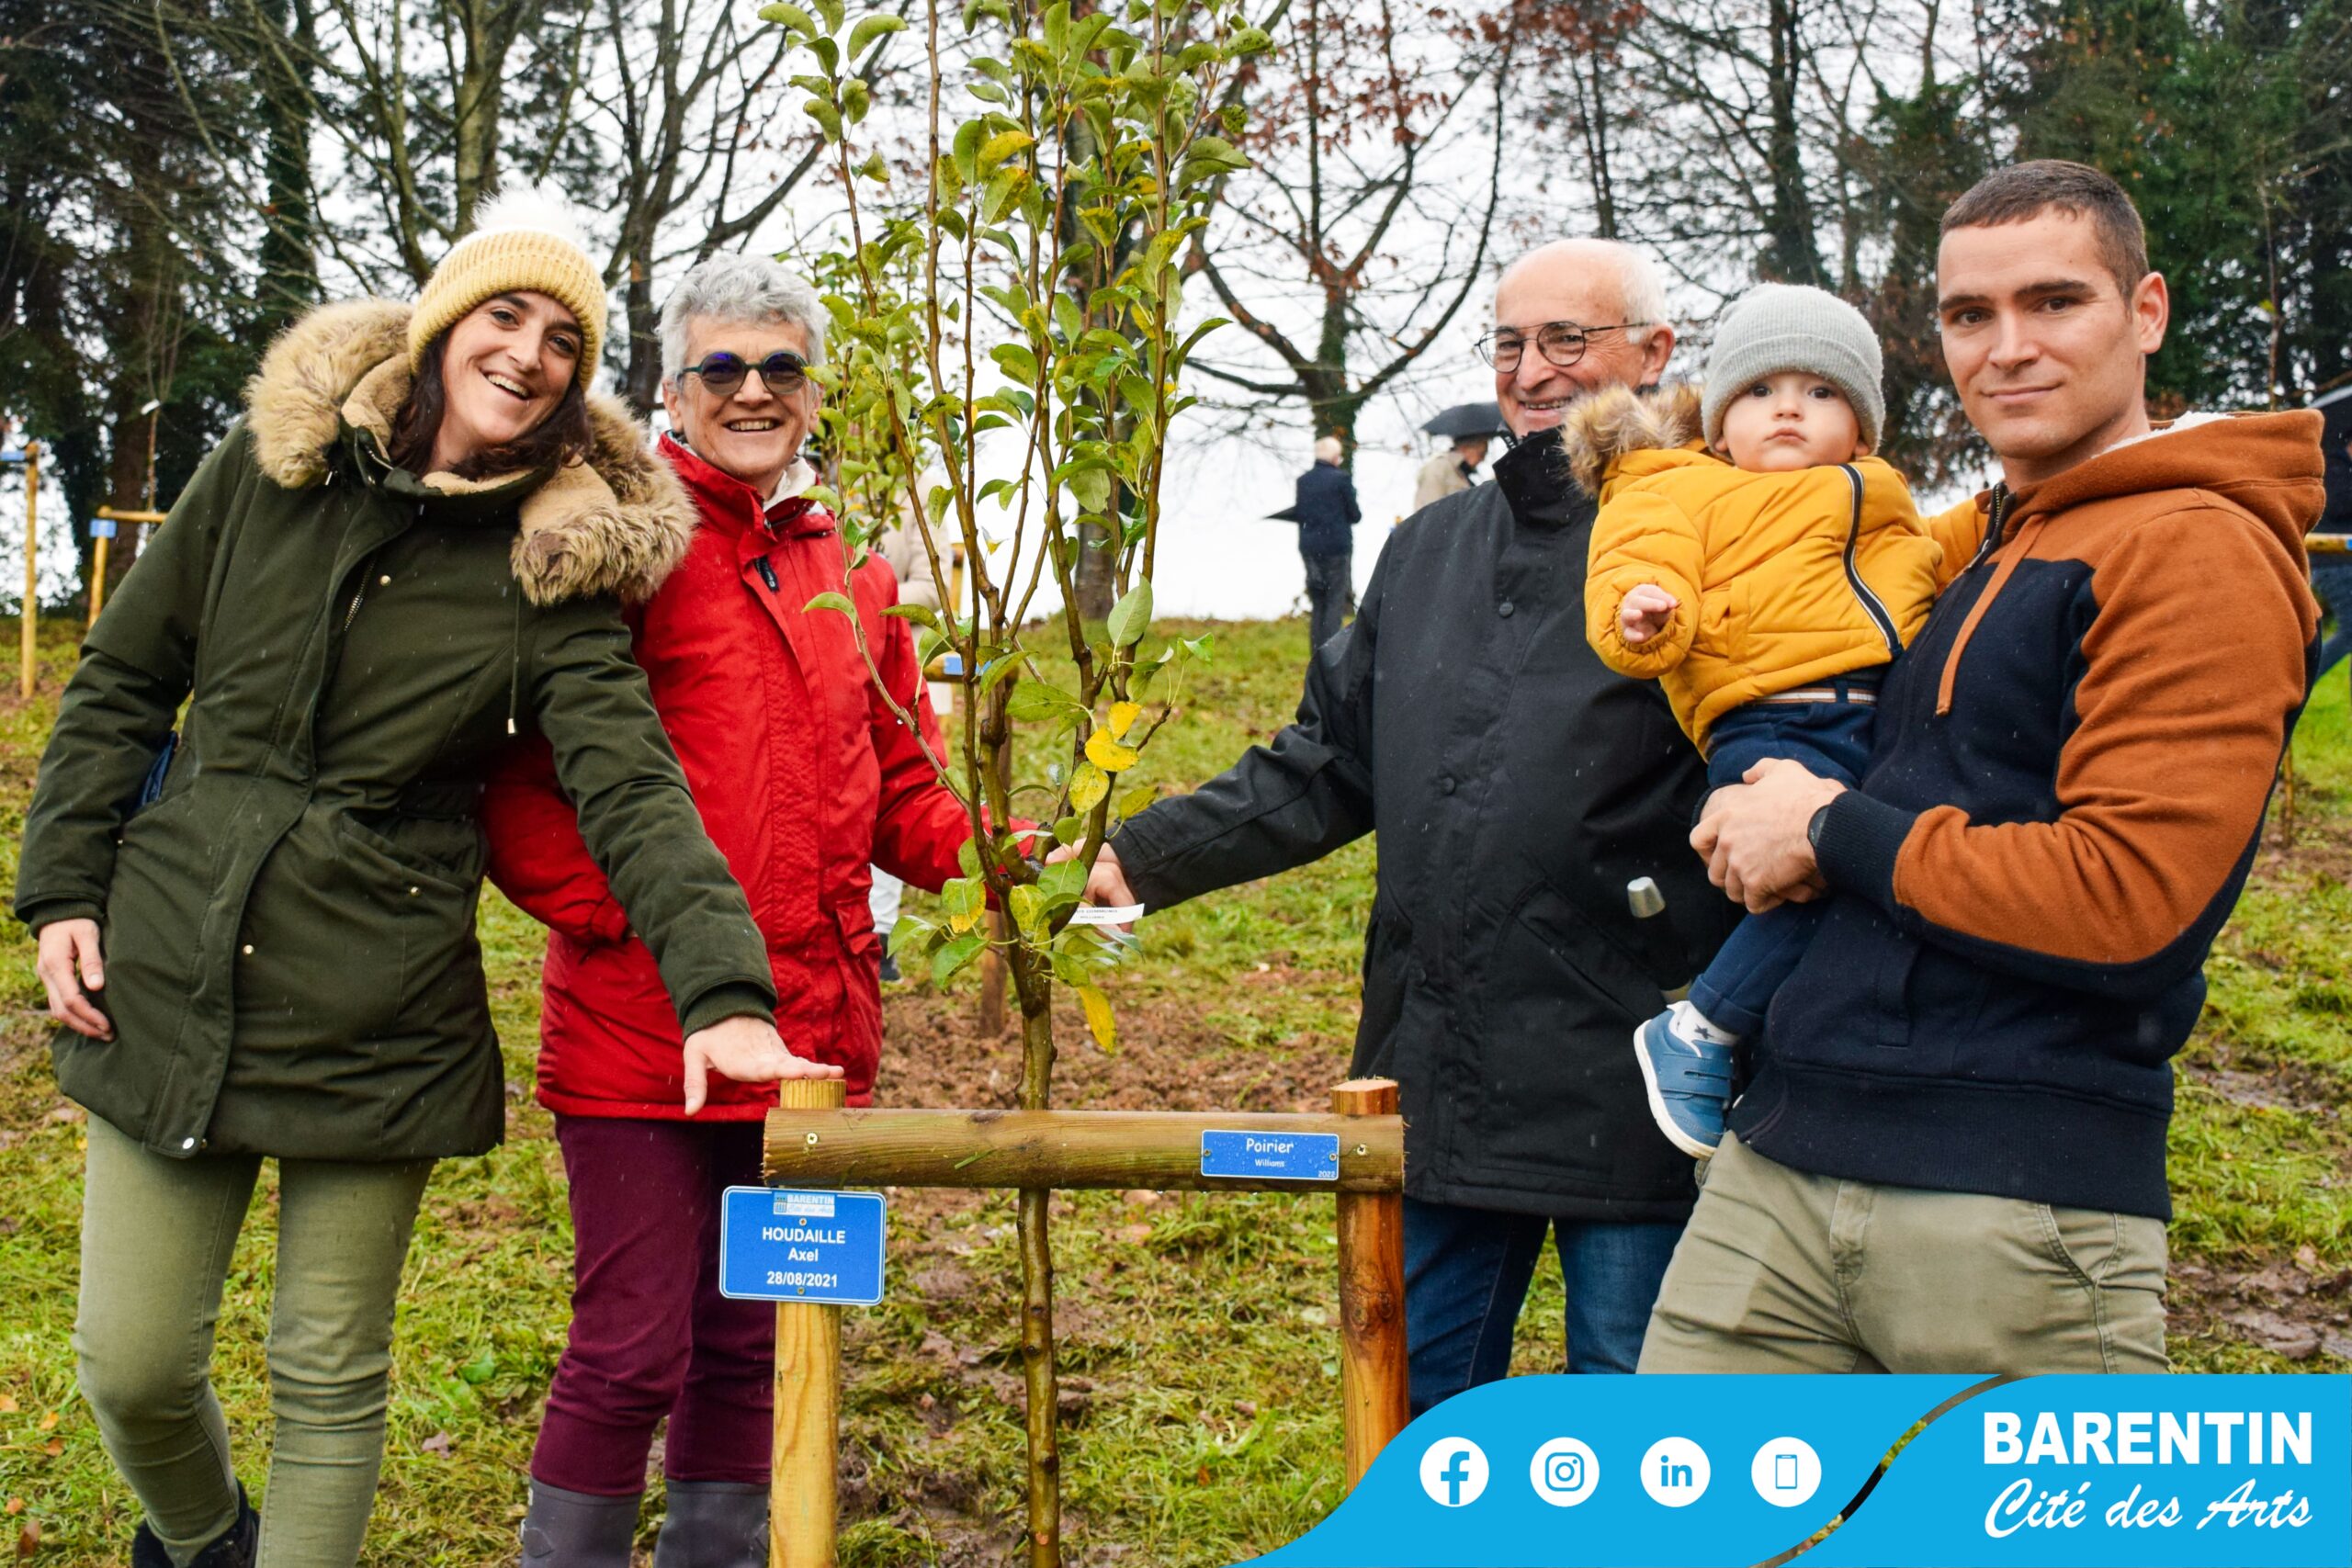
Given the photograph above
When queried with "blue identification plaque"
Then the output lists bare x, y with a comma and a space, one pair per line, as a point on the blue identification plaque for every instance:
102, 528
779, 1245
1279, 1156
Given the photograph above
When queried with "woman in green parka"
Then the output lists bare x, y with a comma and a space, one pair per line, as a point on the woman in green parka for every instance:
260, 939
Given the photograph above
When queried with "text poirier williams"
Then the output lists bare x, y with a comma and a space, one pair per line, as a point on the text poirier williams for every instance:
2140, 1437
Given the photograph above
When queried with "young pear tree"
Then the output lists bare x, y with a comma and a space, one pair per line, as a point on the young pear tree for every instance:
998, 315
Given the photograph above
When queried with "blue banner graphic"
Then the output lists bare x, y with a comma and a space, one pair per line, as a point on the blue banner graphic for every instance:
2135, 1472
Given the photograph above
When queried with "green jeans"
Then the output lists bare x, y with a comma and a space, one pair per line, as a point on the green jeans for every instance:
157, 1237
1784, 1271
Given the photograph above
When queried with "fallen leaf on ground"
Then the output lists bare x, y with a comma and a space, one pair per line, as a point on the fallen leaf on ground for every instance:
437, 1444
2296, 1341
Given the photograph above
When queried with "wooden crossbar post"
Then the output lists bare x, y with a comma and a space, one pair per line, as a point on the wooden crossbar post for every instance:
2327, 543
806, 1464
1372, 1297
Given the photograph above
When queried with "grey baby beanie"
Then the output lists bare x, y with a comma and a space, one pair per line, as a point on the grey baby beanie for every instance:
1785, 326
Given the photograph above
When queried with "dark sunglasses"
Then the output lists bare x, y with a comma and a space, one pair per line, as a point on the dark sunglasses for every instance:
1561, 343
783, 372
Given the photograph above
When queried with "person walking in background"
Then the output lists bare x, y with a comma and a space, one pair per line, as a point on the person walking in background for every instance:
804, 776
1450, 472
900, 550
1327, 513
414, 544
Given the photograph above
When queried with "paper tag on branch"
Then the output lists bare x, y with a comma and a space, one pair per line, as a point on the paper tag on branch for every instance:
1106, 914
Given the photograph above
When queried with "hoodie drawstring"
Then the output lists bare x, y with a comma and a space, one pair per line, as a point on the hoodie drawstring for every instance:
515, 663
2019, 550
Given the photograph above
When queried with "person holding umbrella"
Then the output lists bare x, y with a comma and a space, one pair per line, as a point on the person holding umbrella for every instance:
1455, 469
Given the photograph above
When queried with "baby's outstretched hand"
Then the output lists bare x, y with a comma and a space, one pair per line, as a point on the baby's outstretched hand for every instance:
1644, 612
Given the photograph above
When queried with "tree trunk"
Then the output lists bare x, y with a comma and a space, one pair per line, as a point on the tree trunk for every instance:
1789, 253
1037, 1367
290, 263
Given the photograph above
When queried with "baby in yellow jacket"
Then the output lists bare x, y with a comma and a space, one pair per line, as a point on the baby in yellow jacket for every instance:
1754, 559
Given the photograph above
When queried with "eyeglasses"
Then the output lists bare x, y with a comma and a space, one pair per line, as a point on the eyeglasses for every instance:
783, 372
1560, 343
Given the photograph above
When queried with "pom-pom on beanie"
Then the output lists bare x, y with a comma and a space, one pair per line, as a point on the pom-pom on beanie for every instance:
524, 238
1782, 326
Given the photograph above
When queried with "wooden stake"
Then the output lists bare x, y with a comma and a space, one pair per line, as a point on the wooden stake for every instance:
1372, 1297
99, 578
805, 1467
31, 617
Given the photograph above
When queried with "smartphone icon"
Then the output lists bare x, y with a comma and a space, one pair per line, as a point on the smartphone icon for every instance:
1784, 1471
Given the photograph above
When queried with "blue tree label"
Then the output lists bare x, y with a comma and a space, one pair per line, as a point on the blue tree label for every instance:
825, 1248
1276, 1156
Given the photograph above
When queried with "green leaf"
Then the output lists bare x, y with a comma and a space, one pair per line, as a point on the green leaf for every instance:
963, 900
1088, 785
1092, 488
1034, 702
1028, 907
831, 11
857, 98
1131, 614
921, 614
827, 117
1135, 799
867, 31
1067, 831
955, 954
791, 16
830, 602
1002, 187
966, 150
1062, 882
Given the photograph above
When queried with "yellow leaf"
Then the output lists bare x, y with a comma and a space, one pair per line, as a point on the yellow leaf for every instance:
1123, 718
1108, 754
1099, 1021
1088, 785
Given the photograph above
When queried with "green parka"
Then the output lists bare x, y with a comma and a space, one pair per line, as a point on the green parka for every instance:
291, 963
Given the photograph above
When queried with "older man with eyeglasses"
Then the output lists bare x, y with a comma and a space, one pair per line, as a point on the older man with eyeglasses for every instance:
804, 774
1536, 891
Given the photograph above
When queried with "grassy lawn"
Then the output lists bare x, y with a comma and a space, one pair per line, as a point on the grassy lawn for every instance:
1198, 1334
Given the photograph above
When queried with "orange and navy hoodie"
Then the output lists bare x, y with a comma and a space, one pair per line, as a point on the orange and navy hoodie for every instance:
2064, 795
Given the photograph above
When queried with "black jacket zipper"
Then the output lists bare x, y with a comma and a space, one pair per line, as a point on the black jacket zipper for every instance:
1871, 605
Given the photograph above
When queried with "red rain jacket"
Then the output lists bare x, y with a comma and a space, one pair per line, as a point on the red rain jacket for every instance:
803, 777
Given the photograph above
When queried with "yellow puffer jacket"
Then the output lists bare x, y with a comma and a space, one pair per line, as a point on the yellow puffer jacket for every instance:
1782, 580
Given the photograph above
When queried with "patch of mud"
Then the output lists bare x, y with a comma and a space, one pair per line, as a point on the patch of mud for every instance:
2299, 1309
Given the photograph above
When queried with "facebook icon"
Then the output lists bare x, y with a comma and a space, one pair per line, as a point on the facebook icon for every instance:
1453, 1471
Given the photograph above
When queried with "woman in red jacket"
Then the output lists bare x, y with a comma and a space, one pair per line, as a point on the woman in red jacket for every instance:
803, 775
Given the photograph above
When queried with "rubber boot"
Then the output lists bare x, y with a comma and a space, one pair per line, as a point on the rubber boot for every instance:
234, 1548
714, 1524
576, 1529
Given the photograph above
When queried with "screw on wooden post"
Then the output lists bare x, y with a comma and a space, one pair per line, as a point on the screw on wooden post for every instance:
805, 1467
31, 619
1372, 1298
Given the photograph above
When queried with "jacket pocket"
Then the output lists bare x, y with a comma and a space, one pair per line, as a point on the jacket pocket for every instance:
1556, 1090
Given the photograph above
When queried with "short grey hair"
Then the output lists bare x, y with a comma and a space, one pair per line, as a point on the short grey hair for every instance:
739, 289
1327, 449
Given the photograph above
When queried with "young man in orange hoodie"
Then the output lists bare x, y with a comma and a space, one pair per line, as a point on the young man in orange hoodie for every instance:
1951, 1158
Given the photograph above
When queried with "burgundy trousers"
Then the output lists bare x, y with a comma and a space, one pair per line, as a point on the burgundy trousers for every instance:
650, 1335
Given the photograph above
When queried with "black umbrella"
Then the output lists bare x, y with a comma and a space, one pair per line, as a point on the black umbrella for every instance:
1467, 419
1287, 514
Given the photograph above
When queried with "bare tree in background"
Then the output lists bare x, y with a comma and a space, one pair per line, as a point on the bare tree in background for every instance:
1377, 131
703, 140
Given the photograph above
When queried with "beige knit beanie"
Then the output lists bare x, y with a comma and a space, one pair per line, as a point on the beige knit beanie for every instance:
526, 237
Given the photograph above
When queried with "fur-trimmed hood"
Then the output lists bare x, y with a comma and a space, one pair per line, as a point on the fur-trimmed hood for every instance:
1617, 420
619, 523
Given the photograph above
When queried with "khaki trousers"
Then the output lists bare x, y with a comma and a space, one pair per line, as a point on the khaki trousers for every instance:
1782, 1271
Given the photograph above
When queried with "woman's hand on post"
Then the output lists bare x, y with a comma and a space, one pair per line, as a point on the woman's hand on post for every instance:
71, 967
746, 1050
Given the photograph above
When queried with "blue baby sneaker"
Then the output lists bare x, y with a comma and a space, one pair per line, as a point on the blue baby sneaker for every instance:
1688, 1079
